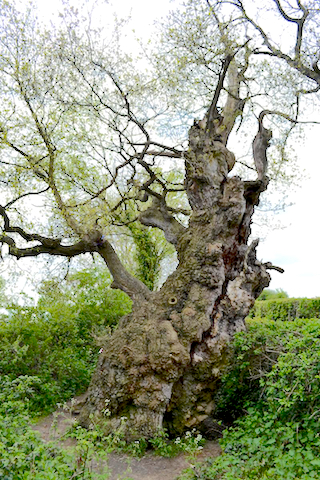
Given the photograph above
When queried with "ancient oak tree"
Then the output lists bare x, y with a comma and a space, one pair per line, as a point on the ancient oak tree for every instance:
100, 142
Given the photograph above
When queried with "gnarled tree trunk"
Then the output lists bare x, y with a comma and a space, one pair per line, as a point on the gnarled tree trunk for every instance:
163, 363
161, 366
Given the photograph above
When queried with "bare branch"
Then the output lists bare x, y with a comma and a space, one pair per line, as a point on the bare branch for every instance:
93, 241
212, 115
54, 249
29, 237
287, 117
284, 14
275, 52
245, 165
300, 23
131, 116
122, 279
259, 147
234, 104
164, 147
9, 204
315, 67
269, 266
312, 74
164, 153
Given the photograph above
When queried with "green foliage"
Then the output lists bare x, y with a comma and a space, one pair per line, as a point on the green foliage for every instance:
54, 342
286, 308
252, 355
22, 454
88, 296
279, 437
191, 443
161, 445
269, 294
148, 254
46, 348
47, 354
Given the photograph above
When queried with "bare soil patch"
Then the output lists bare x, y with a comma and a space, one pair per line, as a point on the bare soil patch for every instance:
121, 466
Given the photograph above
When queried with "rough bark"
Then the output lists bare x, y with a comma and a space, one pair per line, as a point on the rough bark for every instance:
161, 366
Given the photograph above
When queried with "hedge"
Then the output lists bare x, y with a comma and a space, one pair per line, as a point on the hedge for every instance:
286, 308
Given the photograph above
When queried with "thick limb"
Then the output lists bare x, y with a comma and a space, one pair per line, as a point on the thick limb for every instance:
157, 215
91, 242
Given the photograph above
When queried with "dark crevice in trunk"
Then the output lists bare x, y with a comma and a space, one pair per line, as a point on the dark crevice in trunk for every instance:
219, 300
207, 333
233, 261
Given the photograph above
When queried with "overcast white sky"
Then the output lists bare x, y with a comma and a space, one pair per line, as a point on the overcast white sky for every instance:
295, 248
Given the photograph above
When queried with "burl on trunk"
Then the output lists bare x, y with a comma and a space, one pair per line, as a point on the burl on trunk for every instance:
160, 368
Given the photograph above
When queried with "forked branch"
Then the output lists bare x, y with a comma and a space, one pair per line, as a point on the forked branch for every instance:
93, 241
300, 24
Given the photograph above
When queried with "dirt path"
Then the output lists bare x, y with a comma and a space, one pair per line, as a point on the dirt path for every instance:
121, 466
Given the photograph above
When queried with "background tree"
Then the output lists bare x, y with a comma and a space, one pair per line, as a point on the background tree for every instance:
92, 137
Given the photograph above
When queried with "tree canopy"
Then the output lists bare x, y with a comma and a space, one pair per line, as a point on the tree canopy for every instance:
92, 136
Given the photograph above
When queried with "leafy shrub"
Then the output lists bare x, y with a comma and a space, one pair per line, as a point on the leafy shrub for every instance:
286, 308
252, 355
49, 349
54, 341
87, 296
279, 437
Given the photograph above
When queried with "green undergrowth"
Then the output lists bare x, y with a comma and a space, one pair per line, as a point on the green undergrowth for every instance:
190, 443
47, 355
24, 456
269, 395
277, 370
